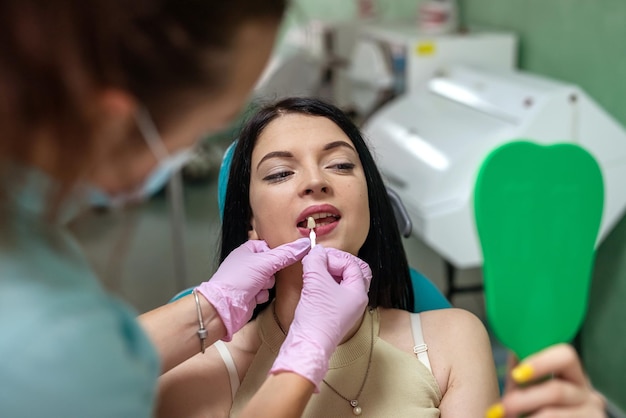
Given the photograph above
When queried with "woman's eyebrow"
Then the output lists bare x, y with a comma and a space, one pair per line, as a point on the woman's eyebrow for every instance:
336, 144
287, 154
274, 154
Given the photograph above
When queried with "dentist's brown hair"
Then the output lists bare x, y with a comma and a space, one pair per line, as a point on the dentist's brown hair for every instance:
56, 55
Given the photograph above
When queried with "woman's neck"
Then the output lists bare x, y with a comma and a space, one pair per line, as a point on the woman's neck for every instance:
288, 291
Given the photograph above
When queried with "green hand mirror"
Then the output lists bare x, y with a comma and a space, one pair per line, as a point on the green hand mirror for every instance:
538, 211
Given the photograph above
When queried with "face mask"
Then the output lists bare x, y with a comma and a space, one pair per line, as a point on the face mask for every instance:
166, 166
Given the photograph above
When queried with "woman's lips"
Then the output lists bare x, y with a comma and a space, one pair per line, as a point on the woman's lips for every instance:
322, 229
326, 218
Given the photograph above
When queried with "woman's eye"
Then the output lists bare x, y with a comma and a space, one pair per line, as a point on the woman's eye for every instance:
343, 167
276, 177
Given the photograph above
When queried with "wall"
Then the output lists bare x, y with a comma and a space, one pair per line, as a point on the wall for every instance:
346, 9
579, 41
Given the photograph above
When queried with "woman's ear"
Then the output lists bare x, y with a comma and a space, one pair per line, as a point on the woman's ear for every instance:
252, 234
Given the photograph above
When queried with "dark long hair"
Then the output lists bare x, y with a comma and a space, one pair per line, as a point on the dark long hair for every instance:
382, 250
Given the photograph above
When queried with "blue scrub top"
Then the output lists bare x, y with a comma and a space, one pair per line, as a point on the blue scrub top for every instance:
67, 348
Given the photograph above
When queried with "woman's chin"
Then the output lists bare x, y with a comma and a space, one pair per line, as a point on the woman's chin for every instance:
338, 246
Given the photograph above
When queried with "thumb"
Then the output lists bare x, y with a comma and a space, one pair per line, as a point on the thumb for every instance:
287, 254
256, 246
315, 260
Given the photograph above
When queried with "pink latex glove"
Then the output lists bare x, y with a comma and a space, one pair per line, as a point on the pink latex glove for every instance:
327, 310
244, 277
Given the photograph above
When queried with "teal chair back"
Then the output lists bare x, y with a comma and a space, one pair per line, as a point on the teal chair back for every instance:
426, 295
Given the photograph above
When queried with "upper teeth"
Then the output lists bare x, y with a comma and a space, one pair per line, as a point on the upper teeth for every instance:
311, 219
321, 215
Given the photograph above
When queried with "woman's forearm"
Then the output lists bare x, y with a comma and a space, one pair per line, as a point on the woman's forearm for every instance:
173, 328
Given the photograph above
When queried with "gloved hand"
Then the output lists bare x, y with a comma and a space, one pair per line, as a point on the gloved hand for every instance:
327, 310
244, 277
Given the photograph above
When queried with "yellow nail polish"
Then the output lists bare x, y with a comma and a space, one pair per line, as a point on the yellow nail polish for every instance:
495, 411
522, 373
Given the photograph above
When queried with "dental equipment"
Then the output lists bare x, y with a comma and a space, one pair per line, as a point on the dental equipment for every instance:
310, 223
431, 144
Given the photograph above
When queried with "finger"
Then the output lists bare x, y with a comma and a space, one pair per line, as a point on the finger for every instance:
287, 254
337, 258
256, 246
315, 261
563, 413
511, 362
349, 268
365, 268
549, 394
338, 262
265, 282
341, 266
560, 360
262, 297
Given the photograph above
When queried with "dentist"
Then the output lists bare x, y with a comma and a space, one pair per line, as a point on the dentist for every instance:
103, 96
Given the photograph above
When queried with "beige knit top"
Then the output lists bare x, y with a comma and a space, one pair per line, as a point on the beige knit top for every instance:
398, 384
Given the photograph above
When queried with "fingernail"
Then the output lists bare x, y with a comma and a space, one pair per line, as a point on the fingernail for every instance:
522, 373
495, 411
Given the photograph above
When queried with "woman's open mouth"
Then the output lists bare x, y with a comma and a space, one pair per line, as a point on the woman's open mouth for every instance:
325, 223
321, 219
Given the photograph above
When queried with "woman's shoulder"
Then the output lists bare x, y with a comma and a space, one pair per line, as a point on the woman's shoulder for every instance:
447, 328
453, 336
452, 320
449, 324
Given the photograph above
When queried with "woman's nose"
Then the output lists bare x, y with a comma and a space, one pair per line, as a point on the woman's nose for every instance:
315, 190
316, 183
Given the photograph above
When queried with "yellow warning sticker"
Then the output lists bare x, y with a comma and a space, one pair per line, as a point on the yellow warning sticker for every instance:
425, 48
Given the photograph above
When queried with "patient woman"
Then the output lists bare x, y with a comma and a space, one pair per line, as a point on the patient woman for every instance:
303, 158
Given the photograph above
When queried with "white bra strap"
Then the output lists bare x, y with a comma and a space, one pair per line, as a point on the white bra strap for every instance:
230, 366
420, 349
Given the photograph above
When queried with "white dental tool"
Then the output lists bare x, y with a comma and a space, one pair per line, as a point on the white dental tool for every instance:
310, 223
